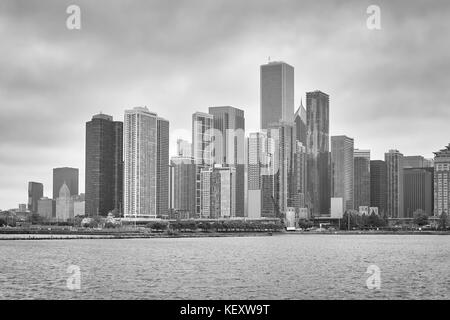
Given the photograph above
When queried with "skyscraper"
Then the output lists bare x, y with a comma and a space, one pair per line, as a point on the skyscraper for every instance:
299, 177
183, 185
35, 192
162, 171
361, 178
218, 192
104, 165
141, 163
300, 124
277, 93
442, 181
394, 166
342, 169
283, 134
256, 157
229, 149
414, 162
65, 175
202, 149
378, 185
318, 150
418, 191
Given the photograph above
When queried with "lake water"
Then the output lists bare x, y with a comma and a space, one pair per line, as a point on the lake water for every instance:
272, 267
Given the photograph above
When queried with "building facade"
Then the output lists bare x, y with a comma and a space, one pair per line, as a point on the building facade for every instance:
140, 165
47, 208
394, 167
318, 153
104, 165
229, 149
418, 191
202, 150
342, 170
378, 185
361, 177
442, 181
300, 124
162, 170
218, 192
183, 179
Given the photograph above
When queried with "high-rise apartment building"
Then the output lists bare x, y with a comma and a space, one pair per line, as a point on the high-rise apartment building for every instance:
277, 93
318, 150
66, 175
104, 165
361, 178
342, 170
146, 178
299, 177
442, 181
394, 166
35, 192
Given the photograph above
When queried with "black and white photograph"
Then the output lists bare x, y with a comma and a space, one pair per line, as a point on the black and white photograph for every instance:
224, 150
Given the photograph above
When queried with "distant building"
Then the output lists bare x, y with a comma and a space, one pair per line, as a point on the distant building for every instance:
300, 124
66, 175
277, 93
202, 149
184, 148
282, 134
442, 181
104, 165
256, 157
298, 179
394, 166
318, 149
378, 185
361, 178
229, 149
64, 204
162, 172
183, 190
342, 169
35, 192
47, 208
418, 190
218, 192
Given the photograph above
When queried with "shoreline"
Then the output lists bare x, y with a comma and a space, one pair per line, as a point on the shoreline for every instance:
36, 235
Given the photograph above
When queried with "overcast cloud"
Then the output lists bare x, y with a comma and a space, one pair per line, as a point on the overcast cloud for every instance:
388, 88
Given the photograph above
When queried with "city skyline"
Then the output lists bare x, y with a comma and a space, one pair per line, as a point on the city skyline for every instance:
48, 138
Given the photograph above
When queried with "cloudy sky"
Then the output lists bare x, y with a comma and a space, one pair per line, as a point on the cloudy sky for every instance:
388, 88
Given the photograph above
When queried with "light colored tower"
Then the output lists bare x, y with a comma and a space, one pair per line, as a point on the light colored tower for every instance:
202, 150
277, 93
394, 166
442, 181
140, 167
342, 170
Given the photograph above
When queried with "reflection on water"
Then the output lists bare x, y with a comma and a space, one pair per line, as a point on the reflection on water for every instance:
277, 267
